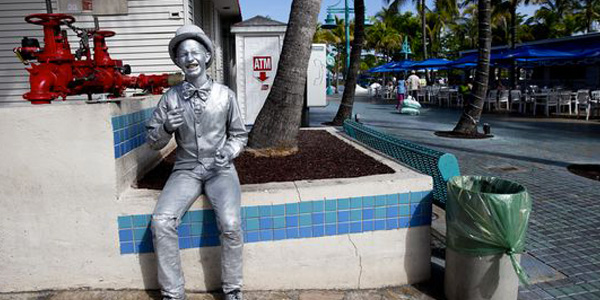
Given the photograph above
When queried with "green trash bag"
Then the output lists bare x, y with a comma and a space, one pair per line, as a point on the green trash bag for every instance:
487, 216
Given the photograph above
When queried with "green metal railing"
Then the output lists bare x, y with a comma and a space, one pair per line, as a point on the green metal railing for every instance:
439, 165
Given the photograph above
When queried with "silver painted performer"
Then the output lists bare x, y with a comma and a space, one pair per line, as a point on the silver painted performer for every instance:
210, 132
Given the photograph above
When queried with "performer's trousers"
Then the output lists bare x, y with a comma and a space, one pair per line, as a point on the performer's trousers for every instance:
222, 188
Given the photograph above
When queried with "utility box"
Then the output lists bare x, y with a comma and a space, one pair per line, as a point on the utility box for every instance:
258, 43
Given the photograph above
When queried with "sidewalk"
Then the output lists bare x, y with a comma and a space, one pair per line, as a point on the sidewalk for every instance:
563, 239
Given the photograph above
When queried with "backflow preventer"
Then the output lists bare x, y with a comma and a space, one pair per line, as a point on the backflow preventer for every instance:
60, 73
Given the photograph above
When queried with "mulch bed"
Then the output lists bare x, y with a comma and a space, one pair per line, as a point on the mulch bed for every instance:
320, 156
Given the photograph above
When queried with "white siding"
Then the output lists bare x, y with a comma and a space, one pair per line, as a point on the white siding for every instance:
141, 41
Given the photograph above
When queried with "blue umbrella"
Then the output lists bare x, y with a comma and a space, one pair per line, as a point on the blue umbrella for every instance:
431, 63
402, 65
381, 68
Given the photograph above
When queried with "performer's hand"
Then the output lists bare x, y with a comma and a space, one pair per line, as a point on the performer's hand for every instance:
174, 120
222, 158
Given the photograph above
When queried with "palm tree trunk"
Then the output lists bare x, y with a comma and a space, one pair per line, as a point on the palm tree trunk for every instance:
278, 122
424, 29
472, 112
513, 42
345, 110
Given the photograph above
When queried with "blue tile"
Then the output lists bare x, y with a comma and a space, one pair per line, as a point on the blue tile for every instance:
404, 210
264, 210
210, 229
279, 222
330, 229
368, 201
330, 217
343, 216
392, 199
331, 205
356, 215
252, 224
318, 231
305, 220
355, 202
291, 209
278, 234
343, 228
318, 218
404, 198
185, 243
368, 214
266, 223
292, 233
305, 207
127, 248
113, 121
355, 227
266, 235
252, 237
117, 151
305, 232
379, 224
210, 241
278, 210
291, 221
392, 212
196, 241
196, 229
343, 204
124, 222
141, 220
380, 200
318, 206
414, 209
404, 222
415, 197
144, 247
209, 216
184, 230
391, 224
368, 225
116, 139
252, 212
140, 233
195, 216
125, 235
380, 213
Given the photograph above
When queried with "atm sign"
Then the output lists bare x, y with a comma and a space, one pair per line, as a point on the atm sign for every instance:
262, 63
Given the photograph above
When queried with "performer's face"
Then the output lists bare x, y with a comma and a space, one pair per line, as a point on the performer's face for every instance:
192, 58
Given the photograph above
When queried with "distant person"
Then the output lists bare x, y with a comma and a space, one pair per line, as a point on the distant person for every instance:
400, 91
413, 83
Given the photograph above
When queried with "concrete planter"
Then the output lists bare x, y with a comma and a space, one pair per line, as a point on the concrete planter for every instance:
71, 221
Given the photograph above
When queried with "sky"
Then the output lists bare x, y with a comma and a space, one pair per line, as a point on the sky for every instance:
280, 9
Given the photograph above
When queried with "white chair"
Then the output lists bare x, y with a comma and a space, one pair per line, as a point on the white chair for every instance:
564, 100
444, 95
491, 98
548, 100
434, 94
421, 94
515, 98
503, 98
582, 100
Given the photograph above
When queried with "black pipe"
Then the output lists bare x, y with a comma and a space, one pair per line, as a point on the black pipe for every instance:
49, 6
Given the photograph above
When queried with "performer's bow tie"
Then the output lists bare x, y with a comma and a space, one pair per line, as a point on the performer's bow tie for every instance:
189, 90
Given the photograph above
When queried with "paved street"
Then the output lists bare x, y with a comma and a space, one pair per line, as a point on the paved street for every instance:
563, 242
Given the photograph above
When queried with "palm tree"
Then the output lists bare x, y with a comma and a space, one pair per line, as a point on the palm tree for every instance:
345, 110
395, 4
277, 125
467, 124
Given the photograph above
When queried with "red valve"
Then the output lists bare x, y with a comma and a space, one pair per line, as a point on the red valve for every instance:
49, 19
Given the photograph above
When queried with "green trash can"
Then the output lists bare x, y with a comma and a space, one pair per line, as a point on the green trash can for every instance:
486, 220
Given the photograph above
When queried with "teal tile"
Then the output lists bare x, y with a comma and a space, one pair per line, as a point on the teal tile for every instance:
330, 217
356, 215
368, 201
416, 197
278, 210
196, 229
305, 220
138, 234
124, 222
195, 216
305, 207
252, 212
318, 206
141, 220
380, 200
279, 222
330, 205
392, 199
291, 209
380, 213
404, 199
264, 210
252, 224
356, 202
404, 210
343, 204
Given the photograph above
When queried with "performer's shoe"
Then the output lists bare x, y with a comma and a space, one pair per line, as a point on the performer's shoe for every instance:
234, 295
